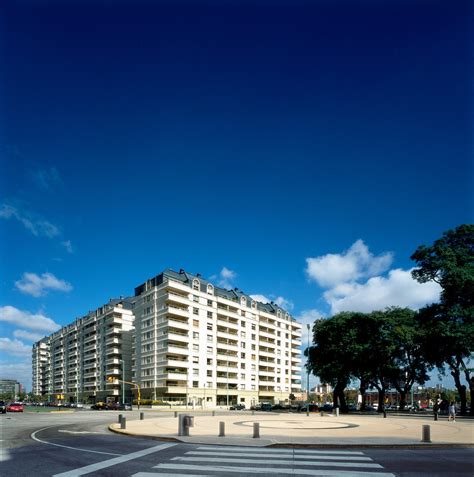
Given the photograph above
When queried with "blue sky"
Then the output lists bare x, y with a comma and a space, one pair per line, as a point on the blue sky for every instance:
298, 151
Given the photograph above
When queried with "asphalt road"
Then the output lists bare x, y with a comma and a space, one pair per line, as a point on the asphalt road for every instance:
79, 443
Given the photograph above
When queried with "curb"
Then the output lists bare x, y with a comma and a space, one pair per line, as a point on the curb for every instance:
282, 445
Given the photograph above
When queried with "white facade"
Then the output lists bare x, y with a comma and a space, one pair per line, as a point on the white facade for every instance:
72, 364
202, 344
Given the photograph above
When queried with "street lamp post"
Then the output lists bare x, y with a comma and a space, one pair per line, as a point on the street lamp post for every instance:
307, 376
123, 381
227, 383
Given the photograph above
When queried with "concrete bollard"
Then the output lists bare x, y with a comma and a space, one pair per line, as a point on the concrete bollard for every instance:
337, 412
425, 433
123, 423
213, 413
175, 413
256, 430
253, 412
142, 416
221, 429
322, 413
120, 418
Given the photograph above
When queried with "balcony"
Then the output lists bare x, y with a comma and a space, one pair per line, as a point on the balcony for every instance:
227, 355
178, 311
226, 332
231, 322
178, 324
177, 299
175, 334
111, 341
224, 343
177, 348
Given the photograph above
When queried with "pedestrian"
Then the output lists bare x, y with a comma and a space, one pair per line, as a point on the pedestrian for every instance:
436, 410
452, 411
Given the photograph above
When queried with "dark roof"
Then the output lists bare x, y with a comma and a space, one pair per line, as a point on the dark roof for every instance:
233, 294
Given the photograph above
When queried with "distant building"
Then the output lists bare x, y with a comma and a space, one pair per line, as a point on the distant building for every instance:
11, 387
73, 364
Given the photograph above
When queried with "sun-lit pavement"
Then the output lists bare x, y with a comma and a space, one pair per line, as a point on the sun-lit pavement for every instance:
299, 429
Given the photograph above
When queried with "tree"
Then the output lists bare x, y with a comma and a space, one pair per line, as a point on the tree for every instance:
410, 363
329, 357
450, 262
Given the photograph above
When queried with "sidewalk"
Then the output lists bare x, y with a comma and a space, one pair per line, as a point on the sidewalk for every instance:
308, 431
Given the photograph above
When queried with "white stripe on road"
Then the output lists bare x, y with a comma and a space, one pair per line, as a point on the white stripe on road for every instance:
226, 460
280, 451
33, 436
275, 470
109, 463
166, 474
284, 456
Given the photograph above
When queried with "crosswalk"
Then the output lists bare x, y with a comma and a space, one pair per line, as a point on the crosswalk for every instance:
214, 461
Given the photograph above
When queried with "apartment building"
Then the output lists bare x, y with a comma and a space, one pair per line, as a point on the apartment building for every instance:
73, 364
198, 343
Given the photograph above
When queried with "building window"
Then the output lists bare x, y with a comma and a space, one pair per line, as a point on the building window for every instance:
196, 323
209, 326
195, 347
209, 302
210, 289
209, 350
196, 285
195, 335
196, 311
195, 298
209, 314
209, 338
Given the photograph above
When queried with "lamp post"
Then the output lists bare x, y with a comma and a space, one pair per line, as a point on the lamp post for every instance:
227, 383
123, 381
307, 375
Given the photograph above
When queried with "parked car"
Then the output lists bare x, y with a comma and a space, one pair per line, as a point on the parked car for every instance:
237, 407
3, 407
15, 407
100, 406
265, 406
327, 407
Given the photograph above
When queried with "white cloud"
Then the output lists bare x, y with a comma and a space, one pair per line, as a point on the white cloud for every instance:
37, 226
226, 278
28, 335
25, 319
14, 347
18, 370
68, 246
353, 264
397, 289
38, 285
355, 280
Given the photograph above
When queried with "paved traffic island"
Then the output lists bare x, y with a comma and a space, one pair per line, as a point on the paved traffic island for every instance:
308, 431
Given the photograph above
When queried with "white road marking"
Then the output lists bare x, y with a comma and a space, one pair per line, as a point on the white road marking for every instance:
33, 436
284, 456
166, 474
109, 463
226, 460
280, 451
78, 432
275, 470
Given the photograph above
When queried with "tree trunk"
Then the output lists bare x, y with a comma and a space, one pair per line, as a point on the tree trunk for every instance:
403, 399
381, 399
470, 381
339, 398
362, 390
456, 374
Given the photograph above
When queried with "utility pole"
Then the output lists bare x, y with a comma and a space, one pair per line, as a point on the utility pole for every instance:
123, 381
307, 377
